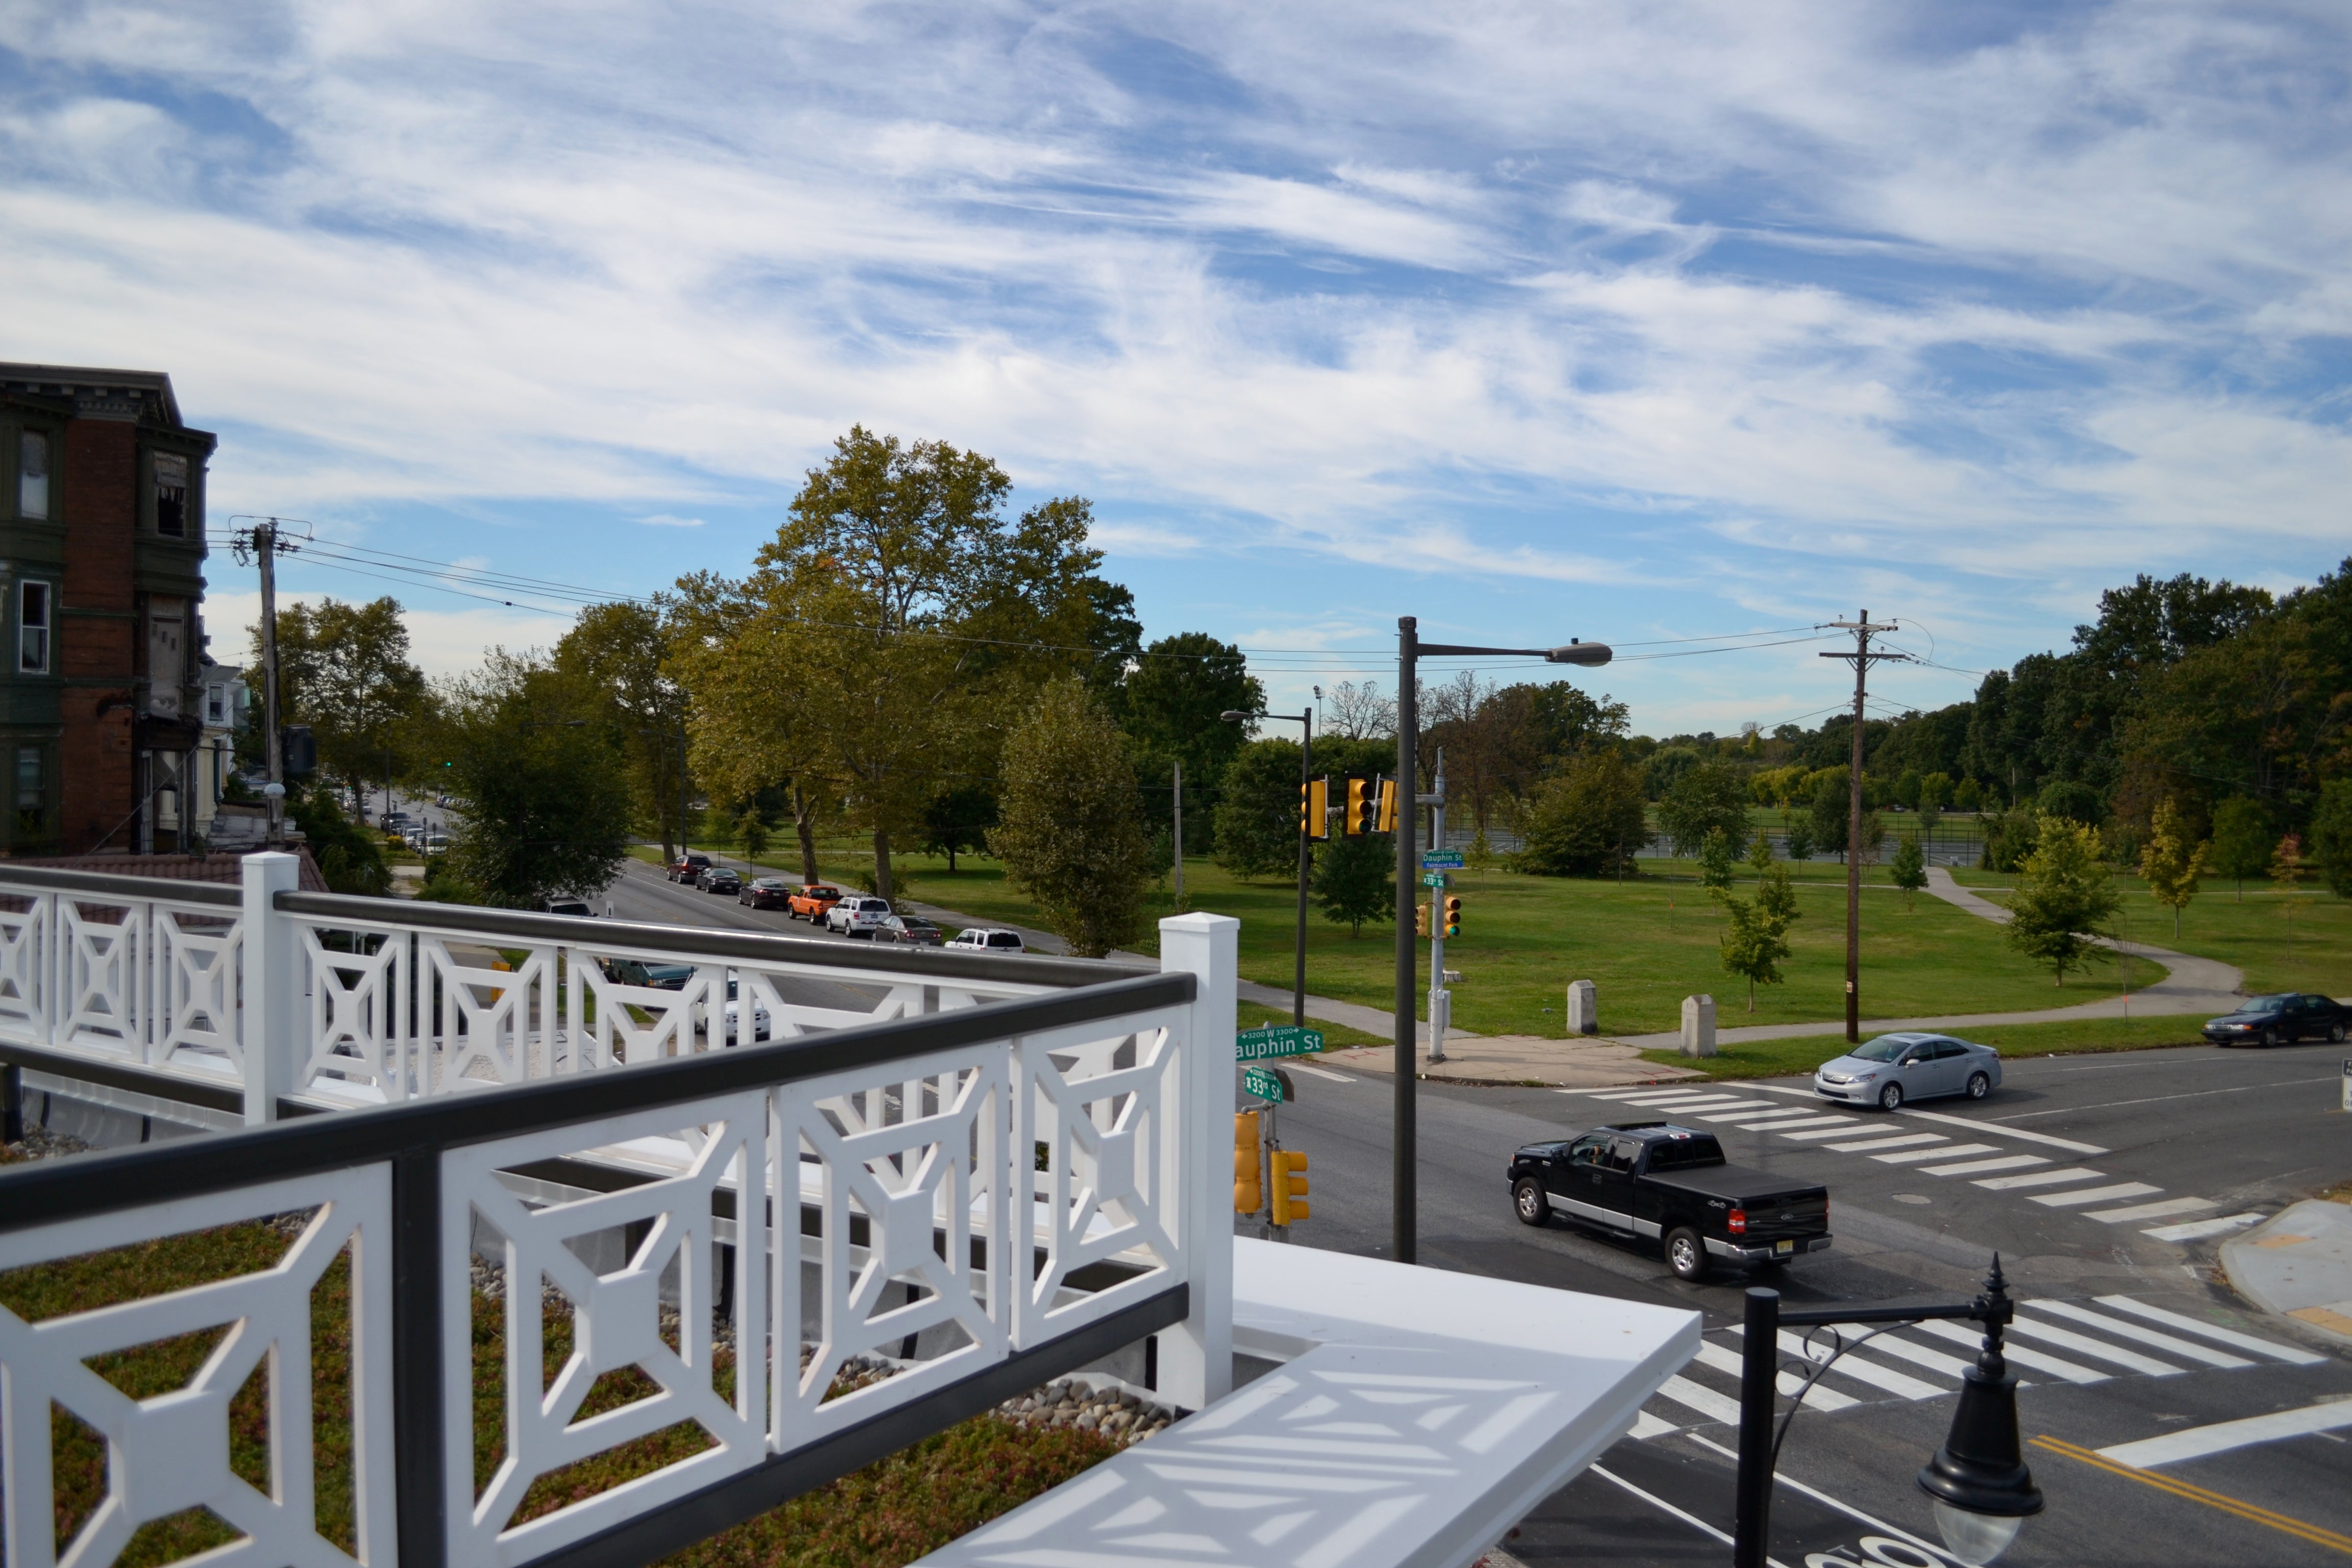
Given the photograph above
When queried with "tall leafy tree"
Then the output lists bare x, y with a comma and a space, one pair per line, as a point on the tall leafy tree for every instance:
2242, 841
1706, 800
1069, 830
2172, 862
1590, 821
344, 670
2063, 898
1174, 697
957, 820
1355, 879
1909, 871
622, 652
1755, 940
541, 765
1257, 810
2331, 836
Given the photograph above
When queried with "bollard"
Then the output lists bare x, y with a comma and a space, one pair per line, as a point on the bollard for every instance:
1583, 1007
1698, 1025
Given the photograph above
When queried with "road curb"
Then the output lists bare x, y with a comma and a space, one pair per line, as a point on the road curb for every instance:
2299, 1265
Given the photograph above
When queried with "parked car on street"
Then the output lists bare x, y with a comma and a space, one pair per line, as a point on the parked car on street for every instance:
811, 900
569, 907
2279, 1019
1892, 1069
766, 893
858, 915
728, 1033
720, 880
655, 976
688, 866
1662, 1183
990, 938
912, 931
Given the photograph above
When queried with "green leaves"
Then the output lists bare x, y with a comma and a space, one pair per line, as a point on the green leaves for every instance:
1068, 829
1755, 939
2064, 896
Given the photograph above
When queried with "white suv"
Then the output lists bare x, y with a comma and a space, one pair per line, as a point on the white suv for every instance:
997, 939
857, 916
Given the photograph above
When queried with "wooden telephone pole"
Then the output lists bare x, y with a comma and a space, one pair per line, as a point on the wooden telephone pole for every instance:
1863, 630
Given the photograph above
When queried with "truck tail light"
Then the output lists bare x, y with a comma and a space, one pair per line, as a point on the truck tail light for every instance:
1738, 1225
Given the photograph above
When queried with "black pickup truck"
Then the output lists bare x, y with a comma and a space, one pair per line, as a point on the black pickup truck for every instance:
1663, 1182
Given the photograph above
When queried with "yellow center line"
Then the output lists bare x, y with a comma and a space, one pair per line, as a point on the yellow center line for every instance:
2246, 1511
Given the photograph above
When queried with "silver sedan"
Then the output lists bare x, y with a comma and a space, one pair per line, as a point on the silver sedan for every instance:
1892, 1069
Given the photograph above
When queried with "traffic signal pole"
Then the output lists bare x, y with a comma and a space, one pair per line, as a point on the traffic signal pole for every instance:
1306, 864
1441, 1000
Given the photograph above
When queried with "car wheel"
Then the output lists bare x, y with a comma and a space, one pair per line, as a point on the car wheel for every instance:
2334, 1034
1685, 1254
1891, 1097
2270, 1039
1980, 1085
1527, 1198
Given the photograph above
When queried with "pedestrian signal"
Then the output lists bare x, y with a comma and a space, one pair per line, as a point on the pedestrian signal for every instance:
1386, 819
1315, 808
1453, 914
1421, 920
1247, 1199
1289, 1171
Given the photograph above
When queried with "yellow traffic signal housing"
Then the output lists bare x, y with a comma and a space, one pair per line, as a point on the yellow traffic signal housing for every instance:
1290, 1169
1453, 914
1386, 819
1421, 920
1315, 808
1359, 807
1247, 1197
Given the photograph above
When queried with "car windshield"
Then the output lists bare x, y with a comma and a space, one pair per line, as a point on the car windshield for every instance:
657, 973
2265, 1004
1685, 1150
1884, 1049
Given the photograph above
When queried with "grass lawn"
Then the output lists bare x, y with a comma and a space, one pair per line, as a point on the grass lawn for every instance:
1647, 943
1800, 1053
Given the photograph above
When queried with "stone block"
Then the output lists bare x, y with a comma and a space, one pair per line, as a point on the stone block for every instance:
1583, 1007
1698, 1025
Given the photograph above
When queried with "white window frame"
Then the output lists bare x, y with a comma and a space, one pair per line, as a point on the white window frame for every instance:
48, 474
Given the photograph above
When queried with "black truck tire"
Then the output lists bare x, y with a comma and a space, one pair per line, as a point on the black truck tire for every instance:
1687, 1252
1529, 1202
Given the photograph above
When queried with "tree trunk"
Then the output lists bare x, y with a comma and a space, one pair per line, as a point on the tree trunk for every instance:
882, 863
804, 823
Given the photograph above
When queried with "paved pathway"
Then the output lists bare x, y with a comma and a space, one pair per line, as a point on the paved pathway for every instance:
2299, 1263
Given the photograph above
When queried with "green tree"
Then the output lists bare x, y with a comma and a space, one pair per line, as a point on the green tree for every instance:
2289, 869
1069, 829
2331, 836
1710, 798
1909, 871
1716, 861
1589, 821
2064, 897
751, 831
1355, 879
548, 802
2242, 841
959, 819
622, 652
1831, 816
1759, 856
2171, 864
1755, 940
1256, 828
1798, 837
349, 858
1174, 698
344, 670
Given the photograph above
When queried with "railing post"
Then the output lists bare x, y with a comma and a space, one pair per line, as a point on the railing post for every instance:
275, 1026
1196, 1356
1758, 1367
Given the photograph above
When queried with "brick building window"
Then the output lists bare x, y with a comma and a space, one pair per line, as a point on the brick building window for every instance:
32, 795
171, 494
33, 627
32, 475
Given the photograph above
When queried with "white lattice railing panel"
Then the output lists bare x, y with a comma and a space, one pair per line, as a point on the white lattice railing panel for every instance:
153, 982
25, 946
199, 991
171, 1453
101, 986
923, 1162
617, 1323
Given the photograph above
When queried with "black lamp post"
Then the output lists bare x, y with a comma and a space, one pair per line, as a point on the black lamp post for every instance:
1305, 852
1977, 1482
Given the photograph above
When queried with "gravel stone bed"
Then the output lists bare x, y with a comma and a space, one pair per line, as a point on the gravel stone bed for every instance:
1072, 1402
40, 1144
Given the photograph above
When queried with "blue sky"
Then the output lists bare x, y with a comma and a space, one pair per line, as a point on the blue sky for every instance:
1626, 321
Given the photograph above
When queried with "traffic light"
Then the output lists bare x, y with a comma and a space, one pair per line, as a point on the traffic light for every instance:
1315, 808
1354, 822
1421, 920
1247, 1199
1289, 1170
1453, 914
1386, 821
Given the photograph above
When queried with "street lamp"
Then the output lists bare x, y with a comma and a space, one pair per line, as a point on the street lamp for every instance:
1977, 1483
1404, 1183
1306, 762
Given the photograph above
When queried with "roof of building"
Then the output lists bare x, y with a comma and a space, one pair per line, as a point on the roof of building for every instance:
216, 868
98, 394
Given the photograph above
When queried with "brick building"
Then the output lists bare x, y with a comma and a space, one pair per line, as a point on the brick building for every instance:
101, 562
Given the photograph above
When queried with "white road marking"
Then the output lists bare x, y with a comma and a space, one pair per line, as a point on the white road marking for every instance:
1724, 1112
1646, 1427
1838, 1127
1712, 1102
1619, 1093
1653, 1097
1831, 1122
1892, 1533
2165, 1209
2054, 1365
1903, 1350
1698, 1397
2095, 1194
2007, 1162
2160, 1099
1986, 1125
2197, 1442
1853, 1365
2040, 1179
2097, 1350
2199, 1229
2137, 1334
1751, 1120
1297, 1066
1904, 1141
1728, 1361
2212, 1331
1912, 1156
1663, 1506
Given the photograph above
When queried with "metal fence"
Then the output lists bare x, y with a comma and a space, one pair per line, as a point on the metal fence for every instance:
983, 1181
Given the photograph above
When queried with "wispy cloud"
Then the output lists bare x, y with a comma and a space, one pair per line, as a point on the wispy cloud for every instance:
664, 520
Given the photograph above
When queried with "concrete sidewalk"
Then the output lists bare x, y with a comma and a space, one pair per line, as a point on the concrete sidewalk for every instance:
2299, 1264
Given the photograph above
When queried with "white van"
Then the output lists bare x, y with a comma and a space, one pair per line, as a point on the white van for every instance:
989, 939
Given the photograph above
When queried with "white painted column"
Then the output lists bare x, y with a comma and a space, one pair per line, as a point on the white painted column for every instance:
275, 1028
1196, 1356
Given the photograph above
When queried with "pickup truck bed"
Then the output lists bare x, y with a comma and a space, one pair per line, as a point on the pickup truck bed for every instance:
1666, 1184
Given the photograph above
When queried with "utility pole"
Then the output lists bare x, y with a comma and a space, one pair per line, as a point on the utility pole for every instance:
265, 548
1863, 630
1180, 835
1404, 1201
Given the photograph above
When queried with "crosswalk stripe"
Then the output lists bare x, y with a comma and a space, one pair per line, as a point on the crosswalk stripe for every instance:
1821, 1399
1833, 1123
2199, 1229
2055, 1365
1748, 1119
2137, 1334
1902, 1141
1910, 1156
1617, 1093
1728, 1112
1904, 1350
2197, 1442
2097, 1350
2040, 1179
1701, 1398
1646, 1427
2006, 1162
2212, 1331
1854, 1365
2095, 1194
1835, 1127
2167, 1208
1672, 1096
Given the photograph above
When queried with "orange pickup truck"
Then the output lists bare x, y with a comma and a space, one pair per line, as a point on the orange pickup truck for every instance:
811, 900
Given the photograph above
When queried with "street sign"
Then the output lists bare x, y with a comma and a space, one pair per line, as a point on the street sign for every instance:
1276, 1040
1433, 878
1262, 1083
1440, 859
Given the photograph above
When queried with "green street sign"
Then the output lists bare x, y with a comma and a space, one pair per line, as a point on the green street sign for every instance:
1276, 1040
1441, 860
1263, 1084
1433, 878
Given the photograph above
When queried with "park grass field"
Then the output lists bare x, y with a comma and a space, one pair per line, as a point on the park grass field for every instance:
1646, 944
